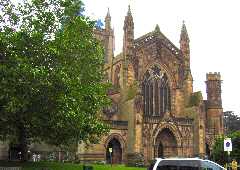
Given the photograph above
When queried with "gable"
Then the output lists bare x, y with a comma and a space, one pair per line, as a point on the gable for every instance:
159, 39
155, 48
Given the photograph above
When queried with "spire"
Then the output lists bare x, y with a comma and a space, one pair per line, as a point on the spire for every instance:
184, 46
128, 36
157, 28
128, 22
128, 41
184, 34
108, 20
108, 14
129, 11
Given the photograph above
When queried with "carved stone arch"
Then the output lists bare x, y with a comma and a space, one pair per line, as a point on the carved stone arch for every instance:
173, 128
116, 136
167, 140
172, 81
118, 152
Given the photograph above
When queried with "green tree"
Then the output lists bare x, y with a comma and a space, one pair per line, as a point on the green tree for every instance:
51, 72
218, 153
231, 122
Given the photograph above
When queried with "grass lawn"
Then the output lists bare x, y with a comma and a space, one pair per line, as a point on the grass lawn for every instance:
64, 166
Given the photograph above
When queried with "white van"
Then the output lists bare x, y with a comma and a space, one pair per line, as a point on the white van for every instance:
184, 164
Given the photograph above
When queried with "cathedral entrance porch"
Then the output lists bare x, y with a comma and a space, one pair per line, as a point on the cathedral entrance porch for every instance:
116, 155
165, 144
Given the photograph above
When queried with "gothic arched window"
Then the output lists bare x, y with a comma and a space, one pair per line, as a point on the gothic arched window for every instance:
156, 92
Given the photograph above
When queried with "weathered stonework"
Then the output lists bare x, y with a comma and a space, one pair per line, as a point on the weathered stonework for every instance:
154, 111
188, 125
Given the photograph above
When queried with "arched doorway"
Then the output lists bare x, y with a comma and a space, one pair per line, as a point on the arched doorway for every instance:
116, 154
160, 150
166, 144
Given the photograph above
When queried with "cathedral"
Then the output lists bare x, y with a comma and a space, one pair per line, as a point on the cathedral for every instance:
154, 111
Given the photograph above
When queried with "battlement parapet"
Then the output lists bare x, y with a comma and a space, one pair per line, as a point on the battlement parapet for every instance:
213, 76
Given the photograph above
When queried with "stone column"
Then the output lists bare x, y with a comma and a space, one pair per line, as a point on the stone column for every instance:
134, 152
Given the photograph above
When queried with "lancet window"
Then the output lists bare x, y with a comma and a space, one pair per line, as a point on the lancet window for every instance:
156, 92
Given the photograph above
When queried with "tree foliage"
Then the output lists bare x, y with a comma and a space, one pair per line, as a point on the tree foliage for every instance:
219, 155
231, 122
51, 69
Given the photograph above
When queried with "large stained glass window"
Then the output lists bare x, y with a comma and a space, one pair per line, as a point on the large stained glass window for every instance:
156, 92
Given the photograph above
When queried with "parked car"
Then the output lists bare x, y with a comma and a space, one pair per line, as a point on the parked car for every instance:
184, 164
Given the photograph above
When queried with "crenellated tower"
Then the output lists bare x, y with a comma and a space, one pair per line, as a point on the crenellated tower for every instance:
185, 49
214, 104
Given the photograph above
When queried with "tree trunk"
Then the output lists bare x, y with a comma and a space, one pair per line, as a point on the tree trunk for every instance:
23, 144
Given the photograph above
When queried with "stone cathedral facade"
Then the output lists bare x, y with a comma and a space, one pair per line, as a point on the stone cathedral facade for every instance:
154, 111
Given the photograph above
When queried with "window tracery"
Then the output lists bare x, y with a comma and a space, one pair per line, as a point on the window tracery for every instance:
156, 92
